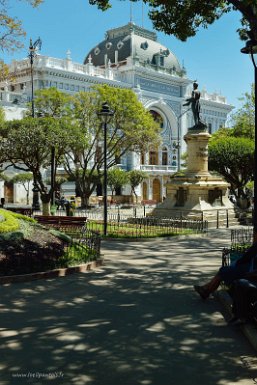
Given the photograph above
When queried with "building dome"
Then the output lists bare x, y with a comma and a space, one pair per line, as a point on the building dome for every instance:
131, 41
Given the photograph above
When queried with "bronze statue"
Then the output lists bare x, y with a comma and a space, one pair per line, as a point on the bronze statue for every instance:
195, 105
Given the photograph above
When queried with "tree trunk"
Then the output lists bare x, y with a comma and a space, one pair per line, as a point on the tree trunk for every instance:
46, 208
84, 201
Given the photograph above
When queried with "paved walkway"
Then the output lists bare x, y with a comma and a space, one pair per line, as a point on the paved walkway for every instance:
134, 321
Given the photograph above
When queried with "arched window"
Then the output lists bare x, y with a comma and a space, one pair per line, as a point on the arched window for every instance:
142, 158
153, 157
164, 156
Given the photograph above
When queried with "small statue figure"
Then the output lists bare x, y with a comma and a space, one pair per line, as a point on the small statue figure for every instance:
195, 105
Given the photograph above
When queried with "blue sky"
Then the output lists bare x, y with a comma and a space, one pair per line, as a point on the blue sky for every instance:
212, 57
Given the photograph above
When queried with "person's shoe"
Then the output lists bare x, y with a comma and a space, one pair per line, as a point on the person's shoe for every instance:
201, 291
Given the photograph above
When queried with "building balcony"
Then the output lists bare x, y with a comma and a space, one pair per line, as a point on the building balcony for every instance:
158, 168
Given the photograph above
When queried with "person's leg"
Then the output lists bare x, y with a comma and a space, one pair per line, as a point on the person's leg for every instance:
205, 290
227, 274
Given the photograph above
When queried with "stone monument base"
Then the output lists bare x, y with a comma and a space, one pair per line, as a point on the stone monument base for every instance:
195, 193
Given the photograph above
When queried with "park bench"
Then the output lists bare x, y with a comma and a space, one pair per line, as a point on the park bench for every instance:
68, 224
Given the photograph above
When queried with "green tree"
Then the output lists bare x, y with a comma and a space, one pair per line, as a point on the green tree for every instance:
59, 180
182, 18
116, 178
25, 180
51, 102
27, 147
233, 158
135, 178
132, 128
244, 119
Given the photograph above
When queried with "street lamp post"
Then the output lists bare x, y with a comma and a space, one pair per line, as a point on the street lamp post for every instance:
53, 166
33, 47
106, 115
251, 49
32, 53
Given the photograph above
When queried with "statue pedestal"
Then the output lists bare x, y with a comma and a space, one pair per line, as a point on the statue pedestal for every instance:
195, 193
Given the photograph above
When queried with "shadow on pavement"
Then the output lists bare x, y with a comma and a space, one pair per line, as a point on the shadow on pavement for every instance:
134, 321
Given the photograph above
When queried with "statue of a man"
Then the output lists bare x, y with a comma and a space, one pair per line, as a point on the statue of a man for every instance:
195, 104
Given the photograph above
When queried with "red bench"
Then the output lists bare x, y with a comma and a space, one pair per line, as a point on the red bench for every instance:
62, 223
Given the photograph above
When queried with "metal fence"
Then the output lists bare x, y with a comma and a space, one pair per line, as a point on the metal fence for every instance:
241, 239
120, 226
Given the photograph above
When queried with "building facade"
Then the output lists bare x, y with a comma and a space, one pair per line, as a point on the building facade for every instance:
128, 57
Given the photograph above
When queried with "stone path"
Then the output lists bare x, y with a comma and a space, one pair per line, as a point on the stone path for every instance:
134, 321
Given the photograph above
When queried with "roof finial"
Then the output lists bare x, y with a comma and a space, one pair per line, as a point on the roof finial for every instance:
68, 55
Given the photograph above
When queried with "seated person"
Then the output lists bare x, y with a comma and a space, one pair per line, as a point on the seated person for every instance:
244, 294
228, 274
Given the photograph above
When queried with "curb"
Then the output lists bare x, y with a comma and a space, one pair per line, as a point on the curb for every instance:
51, 273
250, 329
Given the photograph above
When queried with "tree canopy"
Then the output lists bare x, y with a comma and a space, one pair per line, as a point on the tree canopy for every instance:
233, 158
116, 178
76, 132
182, 18
27, 146
132, 128
135, 178
244, 119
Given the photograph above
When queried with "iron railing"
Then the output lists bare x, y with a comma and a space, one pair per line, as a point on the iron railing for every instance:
119, 226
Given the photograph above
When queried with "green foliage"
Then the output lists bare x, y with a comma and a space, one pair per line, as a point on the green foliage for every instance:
23, 178
244, 119
23, 217
183, 18
233, 158
116, 178
131, 128
28, 144
51, 102
135, 178
76, 254
10, 223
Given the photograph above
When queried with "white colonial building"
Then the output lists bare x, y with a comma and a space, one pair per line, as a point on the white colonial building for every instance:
128, 57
